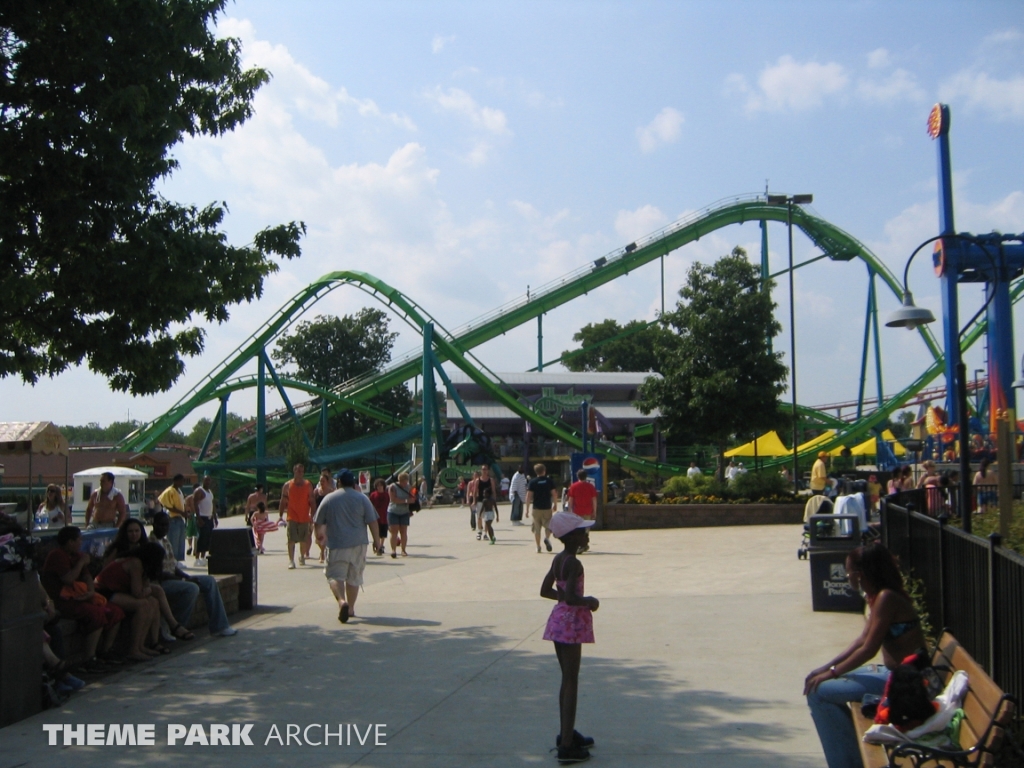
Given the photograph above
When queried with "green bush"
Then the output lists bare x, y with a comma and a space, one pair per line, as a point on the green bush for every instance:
701, 485
760, 485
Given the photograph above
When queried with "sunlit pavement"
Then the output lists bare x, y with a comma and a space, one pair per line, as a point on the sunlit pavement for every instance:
704, 637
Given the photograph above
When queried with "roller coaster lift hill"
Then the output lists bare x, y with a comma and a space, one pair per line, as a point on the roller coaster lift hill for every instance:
994, 259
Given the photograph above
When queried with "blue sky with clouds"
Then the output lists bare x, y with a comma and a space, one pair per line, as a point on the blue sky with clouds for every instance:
462, 151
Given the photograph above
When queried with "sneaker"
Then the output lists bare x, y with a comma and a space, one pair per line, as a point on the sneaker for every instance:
538, 549
188, 551
578, 740
572, 754
302, 560
70, 683
291, 565
547, 543
479, 536
199, 563
492, 540
231, 632
167, 637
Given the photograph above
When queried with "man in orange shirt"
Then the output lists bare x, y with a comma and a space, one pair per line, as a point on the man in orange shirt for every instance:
297, 500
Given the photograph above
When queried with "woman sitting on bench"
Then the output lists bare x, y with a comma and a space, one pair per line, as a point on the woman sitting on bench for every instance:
892, 626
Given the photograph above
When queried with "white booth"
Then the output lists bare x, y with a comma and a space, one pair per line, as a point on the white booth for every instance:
131, 483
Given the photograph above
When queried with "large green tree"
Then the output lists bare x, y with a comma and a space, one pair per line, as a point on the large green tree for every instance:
202, 428
720, 378
113, 434
608, 346
96, 265
328, 351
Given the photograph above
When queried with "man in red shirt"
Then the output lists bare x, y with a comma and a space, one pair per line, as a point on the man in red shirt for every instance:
583, 497
297, 500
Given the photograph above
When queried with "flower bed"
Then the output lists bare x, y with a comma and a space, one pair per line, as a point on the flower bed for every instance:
620, 517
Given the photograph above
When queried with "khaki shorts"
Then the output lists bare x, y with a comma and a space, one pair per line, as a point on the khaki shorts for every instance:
346, 565
541, 519
298, 533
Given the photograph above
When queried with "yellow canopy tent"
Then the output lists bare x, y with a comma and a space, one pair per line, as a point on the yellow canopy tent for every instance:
768, 444
869, 447
824, 437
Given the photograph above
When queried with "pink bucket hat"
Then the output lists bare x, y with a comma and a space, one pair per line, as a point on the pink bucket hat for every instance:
566, 522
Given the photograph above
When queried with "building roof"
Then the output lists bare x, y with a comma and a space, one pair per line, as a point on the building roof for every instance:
22, 437
489, 411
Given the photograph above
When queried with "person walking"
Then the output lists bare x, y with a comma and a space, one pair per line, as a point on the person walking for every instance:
341, 522
517, 495
173, 501
539, 494
297, 502
693, 471
323, 487
400, 496
489, 514
381, 500
570, 624
471, 498
206, 520
484, 484
819, 474
107, 507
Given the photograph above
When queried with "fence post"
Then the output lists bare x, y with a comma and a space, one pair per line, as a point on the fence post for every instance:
910, 543
883, 517
994, 540
943, 519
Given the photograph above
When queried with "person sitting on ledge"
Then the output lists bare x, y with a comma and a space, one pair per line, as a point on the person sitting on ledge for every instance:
893, 626
128, 583
67, 581
182, 588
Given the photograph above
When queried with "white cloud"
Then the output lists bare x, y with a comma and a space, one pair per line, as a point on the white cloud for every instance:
311, 96
879, 59
665, 128
978, 90
1004, 36
439, 42
461, 103
790, 85
900, 84
630, 225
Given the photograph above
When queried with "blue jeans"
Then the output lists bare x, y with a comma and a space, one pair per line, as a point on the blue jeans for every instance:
181, 596
176, 535
831, 714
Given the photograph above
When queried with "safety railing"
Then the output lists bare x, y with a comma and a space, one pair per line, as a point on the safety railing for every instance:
972, 586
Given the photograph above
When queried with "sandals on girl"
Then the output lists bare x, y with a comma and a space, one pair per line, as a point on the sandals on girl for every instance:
181, 632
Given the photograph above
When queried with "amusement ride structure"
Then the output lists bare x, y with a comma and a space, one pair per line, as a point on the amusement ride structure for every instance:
244, 451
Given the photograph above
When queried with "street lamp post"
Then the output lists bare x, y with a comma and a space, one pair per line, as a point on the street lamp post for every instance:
910, 317
789, 201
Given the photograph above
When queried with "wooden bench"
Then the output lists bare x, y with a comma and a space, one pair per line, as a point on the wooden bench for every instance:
987, 713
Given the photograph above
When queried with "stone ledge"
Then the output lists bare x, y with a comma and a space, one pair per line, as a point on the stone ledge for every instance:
622, 517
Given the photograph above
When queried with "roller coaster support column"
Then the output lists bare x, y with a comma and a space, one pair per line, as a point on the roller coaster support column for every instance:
540, 342
429, 405
261, 422
222, 483
765, 277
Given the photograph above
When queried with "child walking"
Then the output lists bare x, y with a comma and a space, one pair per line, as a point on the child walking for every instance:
489, 514
262, 525
571, 623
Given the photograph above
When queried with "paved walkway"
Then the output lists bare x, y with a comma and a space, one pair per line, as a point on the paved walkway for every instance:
703, 639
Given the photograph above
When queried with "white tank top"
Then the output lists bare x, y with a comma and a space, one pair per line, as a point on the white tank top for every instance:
205, 506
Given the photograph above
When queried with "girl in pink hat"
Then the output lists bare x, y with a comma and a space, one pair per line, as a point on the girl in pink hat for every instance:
571, 623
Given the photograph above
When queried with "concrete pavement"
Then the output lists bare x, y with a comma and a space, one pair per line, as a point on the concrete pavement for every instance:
704, 637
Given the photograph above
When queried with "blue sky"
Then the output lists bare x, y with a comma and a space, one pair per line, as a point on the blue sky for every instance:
462, 151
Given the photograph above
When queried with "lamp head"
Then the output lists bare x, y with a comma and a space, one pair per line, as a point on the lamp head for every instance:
910, 316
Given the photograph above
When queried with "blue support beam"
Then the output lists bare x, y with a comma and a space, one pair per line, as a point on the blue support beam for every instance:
261, 420
429, 404
222, 484
287, 402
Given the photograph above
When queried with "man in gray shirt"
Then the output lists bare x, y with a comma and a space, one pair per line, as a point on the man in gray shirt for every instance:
341, 521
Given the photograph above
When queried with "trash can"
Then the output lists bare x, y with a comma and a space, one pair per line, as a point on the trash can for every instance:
21, 647
231, 551
832, 539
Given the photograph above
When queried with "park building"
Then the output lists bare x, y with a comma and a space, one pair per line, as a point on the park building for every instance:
611, 398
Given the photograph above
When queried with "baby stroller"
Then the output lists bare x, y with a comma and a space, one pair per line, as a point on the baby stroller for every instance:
816, 505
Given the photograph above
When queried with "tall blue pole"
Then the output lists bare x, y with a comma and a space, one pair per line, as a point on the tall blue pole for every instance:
540, 342
951, 270
223, 482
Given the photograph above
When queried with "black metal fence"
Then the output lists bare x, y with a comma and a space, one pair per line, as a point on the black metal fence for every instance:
973, 586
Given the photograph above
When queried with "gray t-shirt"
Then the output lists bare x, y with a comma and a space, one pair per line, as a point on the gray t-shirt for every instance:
346, 512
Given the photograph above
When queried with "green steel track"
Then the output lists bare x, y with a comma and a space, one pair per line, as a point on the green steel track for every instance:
455, 346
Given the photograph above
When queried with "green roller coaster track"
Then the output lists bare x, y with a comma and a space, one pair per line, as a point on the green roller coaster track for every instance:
455, 346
